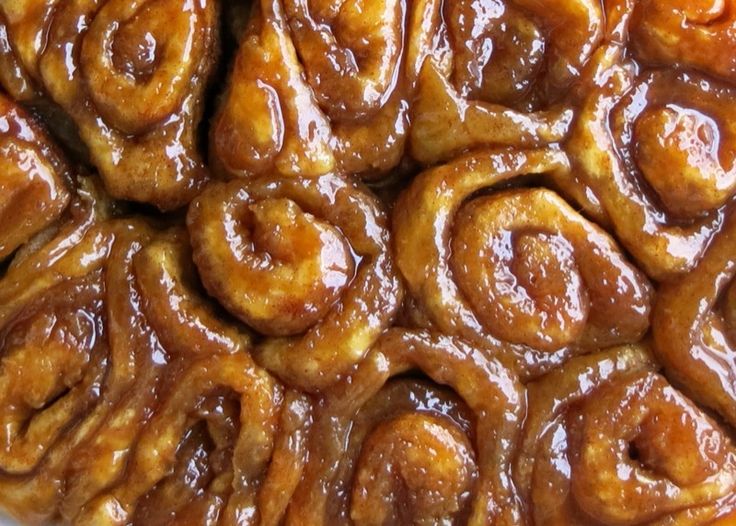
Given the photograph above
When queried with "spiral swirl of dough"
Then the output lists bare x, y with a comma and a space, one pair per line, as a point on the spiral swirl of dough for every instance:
389, 429
95, 313
224, 414
173, 323
699, 35
304, 261
319, 87
497, 75
595, 448
517, 269
57, 361
131, 75
656, 146
693, 326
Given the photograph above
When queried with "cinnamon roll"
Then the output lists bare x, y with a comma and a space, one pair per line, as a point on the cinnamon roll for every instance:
692, 326
94, 314
303, 261
655, 145
409, 450
174, 323
698, 35
498, 72
55, 355
221, 419
318, 87
466, 262
132, 77
598, 448
517, 268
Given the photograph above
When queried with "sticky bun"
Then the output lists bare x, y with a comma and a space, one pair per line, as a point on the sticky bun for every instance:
371, 262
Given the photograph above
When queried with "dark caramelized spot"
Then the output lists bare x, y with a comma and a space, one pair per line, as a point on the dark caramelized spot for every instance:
135, 54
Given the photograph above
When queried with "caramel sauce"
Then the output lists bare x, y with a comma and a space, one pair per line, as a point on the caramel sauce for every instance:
374, 262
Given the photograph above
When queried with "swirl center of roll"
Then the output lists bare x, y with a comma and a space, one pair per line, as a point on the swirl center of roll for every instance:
678, 153
46, 356
423, 466
138, 59
300, 267
135, 51
626, 435
520, 278
500, 50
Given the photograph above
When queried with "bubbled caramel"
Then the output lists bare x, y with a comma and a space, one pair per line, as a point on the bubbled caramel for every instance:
372, 262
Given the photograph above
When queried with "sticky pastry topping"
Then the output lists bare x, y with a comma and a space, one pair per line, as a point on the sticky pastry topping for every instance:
315, 262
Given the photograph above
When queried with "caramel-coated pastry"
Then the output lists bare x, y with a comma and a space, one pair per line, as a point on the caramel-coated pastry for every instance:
498, 72
34, 178
517, 269
656, 145
694, 322
699, 35
81, 363
446, 125
212, 451
186, 323
55, 357
132, 76
448, 262
153, 295
608, 441
24, 27
303, 261
13, 77
319, 86
388, 451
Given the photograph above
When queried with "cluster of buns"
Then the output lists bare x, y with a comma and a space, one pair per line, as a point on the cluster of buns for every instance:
368, 262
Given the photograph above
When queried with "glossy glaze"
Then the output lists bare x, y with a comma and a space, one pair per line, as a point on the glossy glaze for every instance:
523, 314
305, 260
132, 77
516, 269
492, 393
34, 178
693, 324
608, 441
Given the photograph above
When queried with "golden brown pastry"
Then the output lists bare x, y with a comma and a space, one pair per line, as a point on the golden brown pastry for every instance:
13, 77
176, 325
608, 441
693, 326
524, 317
132, 76
386, 451
319, 86
176, 474
303, 261
55, 355
34, 178
697, 35
655, 144
497, 73
82, 365
517, 269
